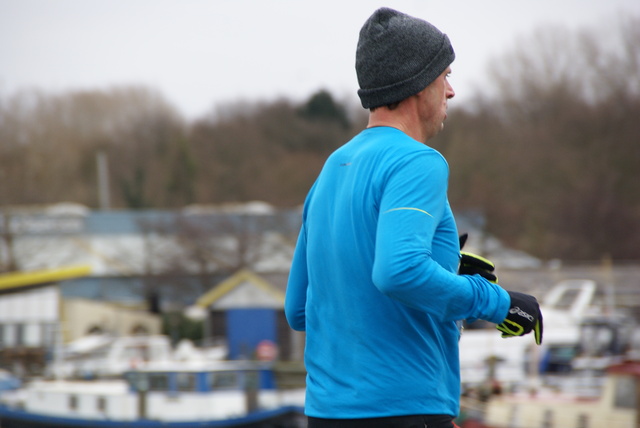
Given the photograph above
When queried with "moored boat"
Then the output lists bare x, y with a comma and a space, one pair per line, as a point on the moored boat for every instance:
214, 394
616, 405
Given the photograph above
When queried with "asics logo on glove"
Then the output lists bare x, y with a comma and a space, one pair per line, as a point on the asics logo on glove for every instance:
522, 313
524, 316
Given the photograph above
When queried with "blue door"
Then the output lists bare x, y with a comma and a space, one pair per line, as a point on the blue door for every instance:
248, 327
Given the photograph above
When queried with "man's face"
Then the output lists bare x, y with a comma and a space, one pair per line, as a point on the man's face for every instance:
433, 104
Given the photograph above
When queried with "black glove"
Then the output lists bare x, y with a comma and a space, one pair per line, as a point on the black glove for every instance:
472, 264
524, 316
463, 239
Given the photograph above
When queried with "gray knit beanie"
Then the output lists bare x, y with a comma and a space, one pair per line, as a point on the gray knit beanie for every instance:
398, 56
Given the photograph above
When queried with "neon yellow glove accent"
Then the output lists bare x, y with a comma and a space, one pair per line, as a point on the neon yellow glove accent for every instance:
510, 328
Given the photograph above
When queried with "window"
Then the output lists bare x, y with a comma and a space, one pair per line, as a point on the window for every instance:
186, 381
49, 334
32, 334
101, 404
625, 392
252, 380
158, 382
224, 380
73, 402
9, 335
20, 335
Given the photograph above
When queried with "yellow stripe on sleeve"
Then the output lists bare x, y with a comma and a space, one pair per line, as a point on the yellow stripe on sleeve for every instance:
408, 208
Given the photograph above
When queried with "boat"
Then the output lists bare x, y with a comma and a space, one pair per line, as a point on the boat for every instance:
616, 403
574, 321
590, 352
102, 355
206, 394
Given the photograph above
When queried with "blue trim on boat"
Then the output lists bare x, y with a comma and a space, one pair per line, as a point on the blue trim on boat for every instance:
16, 415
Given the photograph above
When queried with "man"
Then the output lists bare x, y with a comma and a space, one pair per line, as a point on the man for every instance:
374, 278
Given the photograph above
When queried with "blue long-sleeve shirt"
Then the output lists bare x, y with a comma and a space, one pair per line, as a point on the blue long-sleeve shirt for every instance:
373, 283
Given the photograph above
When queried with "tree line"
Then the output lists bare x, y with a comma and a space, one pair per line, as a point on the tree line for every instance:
265, 151
548, 150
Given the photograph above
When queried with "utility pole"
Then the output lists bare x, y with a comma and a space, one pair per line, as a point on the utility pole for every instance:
103, 181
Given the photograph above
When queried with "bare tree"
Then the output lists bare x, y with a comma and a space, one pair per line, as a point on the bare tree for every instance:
49, 142
552, 152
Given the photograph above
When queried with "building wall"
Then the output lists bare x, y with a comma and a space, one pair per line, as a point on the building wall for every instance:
82, 316
28, 328
29, 318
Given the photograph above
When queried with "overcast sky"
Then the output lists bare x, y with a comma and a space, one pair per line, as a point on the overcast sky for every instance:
203, 53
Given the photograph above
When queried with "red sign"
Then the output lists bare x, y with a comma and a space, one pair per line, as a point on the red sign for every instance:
266, 351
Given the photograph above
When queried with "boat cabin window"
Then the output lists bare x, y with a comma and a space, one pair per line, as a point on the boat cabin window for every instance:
223, 380
73, 402
158, 381
252, 379
186, 381
101, 404
625, 392
557, 360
